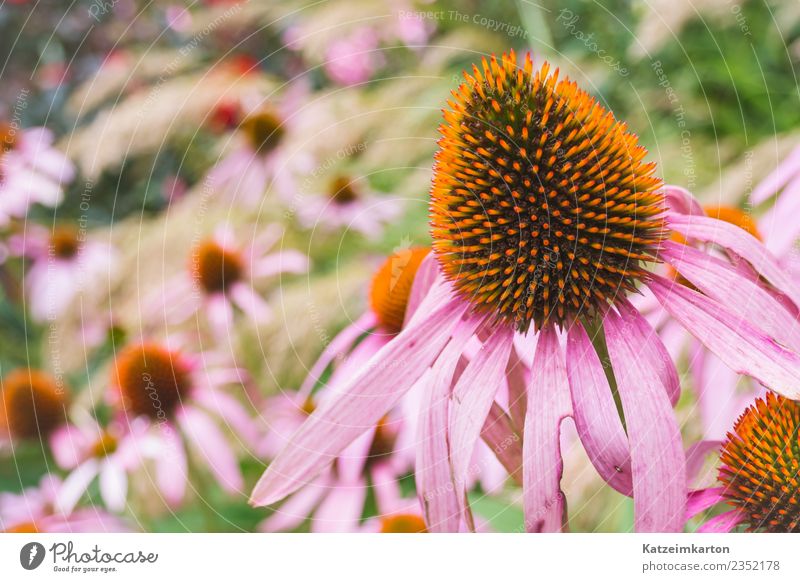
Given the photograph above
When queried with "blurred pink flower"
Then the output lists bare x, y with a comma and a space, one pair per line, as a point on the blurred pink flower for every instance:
63, 262
221, 275
355, 58
346, 205
31, 171
89, 451
35, 510
177, 394
258, 159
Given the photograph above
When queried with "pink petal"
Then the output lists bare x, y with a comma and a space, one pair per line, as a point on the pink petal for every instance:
745, 245
232, 413
722, 523
502, 439
424, 279
595, 412
75, 486
742, 347
214, 450
288, 261
770, 185
434, 487
742, 296
779, 226
297, 508
471, 401
68, 443
680, 200
362, 402
702, 499
113, 486
517, 387
337, 348
251, 303
548, 405
171, 466
657, 458
219, 312
341, 509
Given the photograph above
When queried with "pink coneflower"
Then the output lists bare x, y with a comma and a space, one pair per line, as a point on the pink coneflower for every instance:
760, 472
31, 170
258, 160
33, 404
354, 58
178, 397
543, 217
348, 205
35, 511
63, 261
91, 451
221, 275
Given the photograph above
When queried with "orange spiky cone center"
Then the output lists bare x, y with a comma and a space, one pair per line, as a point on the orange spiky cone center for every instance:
343, 190
215, 267
33, 403
761, 465
151, 380
542, 207
391, 287
64, 242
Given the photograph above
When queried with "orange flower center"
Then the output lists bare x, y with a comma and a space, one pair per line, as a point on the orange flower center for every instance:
542, 206
343, 190
734, 216
64, 242
761, 465
215, 268
264, 131
8, 137
105, 445
403, 523
391, 287
33, 403
26, 527
151, 380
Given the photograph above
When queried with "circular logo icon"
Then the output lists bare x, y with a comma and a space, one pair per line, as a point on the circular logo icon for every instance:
31, 555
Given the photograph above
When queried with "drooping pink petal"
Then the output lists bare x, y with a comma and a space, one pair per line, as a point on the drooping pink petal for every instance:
779, 226
434, 486
357, 358
288, 261
548, 405
504, 441
232, 413
742, 243
784, 172
341, 509
722, 523
517, 387
741, 346
702, 499
657, 458
680, 200
362, 402
741, 296
250, 302
424, 278
67, 442
652, 349
337, 348
75, 485
298, 507
595, 412
212, 447
219, 312
113, 485
471, 400
171, 466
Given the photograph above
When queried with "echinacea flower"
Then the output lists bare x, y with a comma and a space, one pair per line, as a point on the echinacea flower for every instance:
355, 58
31, 170
258, 159
178, 396
220, 276
34, 510
348, 205
32, 407
760, 472
63, 262
543, 217
89, 451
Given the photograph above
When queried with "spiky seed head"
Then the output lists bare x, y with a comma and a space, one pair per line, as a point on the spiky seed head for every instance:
64, 242
343, 190
264, 130
215, 268
761, 465
542, 206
